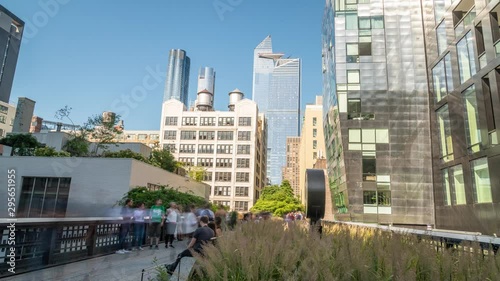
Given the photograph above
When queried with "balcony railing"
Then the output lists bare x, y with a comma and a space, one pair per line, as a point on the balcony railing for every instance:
41, 243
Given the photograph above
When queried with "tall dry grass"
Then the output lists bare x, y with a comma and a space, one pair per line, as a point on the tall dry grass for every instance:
270, 251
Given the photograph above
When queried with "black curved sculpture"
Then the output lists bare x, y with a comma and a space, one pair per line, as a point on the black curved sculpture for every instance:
315, 194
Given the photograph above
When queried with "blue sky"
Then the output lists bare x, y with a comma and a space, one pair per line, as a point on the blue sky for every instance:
93, 55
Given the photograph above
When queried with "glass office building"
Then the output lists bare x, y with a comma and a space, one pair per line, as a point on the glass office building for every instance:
376, 112
276, 90
463, 59
177, 82
11, 33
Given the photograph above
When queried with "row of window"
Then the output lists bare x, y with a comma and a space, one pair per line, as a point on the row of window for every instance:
208, 121
240, 206
219, 162
209, 148
226, 191
454, 183
226, 176
207, 135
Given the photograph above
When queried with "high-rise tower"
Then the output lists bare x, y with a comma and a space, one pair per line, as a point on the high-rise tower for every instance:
276, 90
177, 82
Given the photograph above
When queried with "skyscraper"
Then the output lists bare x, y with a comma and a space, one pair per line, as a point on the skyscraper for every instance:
11, 33
206, 79
177, 82
376, 112
276, 90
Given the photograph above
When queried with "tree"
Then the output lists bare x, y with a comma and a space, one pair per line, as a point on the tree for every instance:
127, 153
102, 131
163, 159
197, 173
22, 144
278, 200
165, 193
78, 146
50, 152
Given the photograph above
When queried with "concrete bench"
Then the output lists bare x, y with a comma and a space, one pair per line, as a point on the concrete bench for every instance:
184, 269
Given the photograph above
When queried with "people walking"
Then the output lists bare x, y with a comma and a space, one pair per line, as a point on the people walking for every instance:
157, 214
190, 221
139, 226
127, 216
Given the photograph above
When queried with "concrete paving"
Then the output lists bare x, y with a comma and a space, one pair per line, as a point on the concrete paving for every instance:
111, 267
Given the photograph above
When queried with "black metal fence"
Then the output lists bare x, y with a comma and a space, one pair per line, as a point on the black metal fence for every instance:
43, 243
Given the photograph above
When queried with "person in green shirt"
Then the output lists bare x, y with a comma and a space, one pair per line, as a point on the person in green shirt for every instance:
157, 217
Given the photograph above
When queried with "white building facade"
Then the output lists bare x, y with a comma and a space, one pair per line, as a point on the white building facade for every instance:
228, 145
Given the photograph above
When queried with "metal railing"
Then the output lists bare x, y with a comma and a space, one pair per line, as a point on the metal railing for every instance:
45, 242
438, 238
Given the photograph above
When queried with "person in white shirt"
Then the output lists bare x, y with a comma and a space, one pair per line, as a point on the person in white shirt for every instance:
190, 221
173, 217
139, 226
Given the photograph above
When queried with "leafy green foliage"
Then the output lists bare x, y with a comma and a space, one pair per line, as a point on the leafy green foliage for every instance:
101, 131
196, 173
163, 159
22, 144
50, 152
127, 153
278, 200
78, 146
165, 193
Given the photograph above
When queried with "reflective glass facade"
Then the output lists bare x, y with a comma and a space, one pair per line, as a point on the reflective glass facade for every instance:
465, 73
11, 33
376, 111
177, 82
276, 90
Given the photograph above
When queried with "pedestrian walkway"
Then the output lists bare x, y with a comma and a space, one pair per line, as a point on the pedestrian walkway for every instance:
111, 267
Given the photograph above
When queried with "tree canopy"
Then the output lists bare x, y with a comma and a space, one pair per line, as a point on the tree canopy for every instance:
277, 199
165, 193
22, 144
50, 152
127, 153
163, 159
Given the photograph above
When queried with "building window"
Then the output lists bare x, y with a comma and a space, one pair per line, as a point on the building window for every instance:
142, 137
3, 119
4, 109
189, 121
224, 163
315, 155
365, 48
315, 133
465, 52
351, 20
154, 137
369, 168
43, 197
315, 144
187, 148
222, 176
206, 135
445, 134
207, 176
186, 161
169, 135
353, 80
207, 121
472, 119
245, 121
170, 121
241, 206
244, 135
242, 177
226, 121
442, 78
223, 203
315, 121
365, 139
370, 197
153, 187
458, 185
380, 198
481, 181
222, 135
243, 149
224, 148
447, 188
241, 191
206, 162
188, 135
206, 148
170, 147
441, 37
242, 163
222, 191
352, 53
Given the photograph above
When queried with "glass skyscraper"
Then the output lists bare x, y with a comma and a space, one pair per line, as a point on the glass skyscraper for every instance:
376, 112
276, 90
11, 33
177, 82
